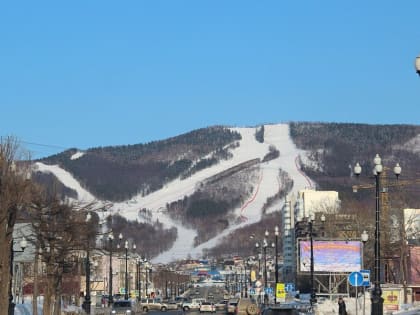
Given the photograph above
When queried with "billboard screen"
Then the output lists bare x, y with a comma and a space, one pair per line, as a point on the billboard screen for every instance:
330, 256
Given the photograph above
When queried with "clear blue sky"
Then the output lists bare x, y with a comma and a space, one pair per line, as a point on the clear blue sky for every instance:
95, 73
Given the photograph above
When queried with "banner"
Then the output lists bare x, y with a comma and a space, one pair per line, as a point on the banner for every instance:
280, 292
391, 299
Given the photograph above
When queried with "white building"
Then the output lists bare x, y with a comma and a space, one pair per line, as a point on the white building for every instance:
310, 201
307, 203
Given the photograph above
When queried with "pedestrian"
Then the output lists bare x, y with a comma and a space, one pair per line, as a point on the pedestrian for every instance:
341, 306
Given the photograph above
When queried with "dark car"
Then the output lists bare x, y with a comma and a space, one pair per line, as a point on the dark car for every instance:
122, 307
287, 309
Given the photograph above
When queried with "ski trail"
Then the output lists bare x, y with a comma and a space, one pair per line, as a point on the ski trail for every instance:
268, 185
301, 172
249, 201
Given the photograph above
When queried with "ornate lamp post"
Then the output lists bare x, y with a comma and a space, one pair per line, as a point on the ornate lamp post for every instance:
146, 281
276, 271
110, 297
364, 237
377, 300
311, 220
264, 245
138, 279
87, 302
313, 295
417, 65
126, 247
23, 245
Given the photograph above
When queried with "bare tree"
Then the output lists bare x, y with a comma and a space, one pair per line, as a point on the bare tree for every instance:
60, 229
13, 195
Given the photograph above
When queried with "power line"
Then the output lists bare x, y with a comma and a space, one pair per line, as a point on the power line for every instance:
46, 145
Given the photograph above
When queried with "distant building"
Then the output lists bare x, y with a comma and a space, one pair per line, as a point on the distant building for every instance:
311, 201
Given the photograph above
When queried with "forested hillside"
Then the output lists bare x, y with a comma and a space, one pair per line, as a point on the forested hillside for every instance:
118, 173
335, 148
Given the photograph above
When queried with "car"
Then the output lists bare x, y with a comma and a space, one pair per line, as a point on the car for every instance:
179, 300
231, 306
287, 309
122, 307
207, 307
247, 306
172, 305
193, 305
153, 304
221, 305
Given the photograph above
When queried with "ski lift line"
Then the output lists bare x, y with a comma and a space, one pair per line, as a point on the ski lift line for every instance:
45, 145
302, 173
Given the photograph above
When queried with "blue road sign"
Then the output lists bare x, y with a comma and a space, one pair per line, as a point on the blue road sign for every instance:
269, 290
290, 287
355, 279
366, 278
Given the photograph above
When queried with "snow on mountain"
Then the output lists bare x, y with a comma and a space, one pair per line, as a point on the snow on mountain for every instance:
77, 155
277, 135
67, 179
267, 186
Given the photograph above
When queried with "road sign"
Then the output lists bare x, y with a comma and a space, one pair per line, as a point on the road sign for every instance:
355, 279
268, 290
366, 278
290, 287
280, 291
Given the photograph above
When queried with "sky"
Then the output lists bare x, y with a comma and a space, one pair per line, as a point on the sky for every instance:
96, 73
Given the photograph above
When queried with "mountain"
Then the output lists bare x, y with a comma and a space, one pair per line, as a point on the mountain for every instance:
196, 189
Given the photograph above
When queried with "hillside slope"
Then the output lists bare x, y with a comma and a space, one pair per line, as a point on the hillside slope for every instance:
268, 184
265, 164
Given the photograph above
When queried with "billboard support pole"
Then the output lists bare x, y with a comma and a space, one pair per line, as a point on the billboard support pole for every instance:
313, 295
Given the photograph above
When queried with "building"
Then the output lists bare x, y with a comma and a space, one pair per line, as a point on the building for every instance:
295, 211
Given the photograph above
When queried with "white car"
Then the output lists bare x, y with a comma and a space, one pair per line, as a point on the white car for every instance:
193, 305
207, 307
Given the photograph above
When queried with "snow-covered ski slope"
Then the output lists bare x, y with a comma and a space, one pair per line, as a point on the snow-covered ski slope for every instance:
267, 186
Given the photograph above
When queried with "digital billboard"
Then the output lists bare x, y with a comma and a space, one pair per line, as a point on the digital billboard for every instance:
330, 256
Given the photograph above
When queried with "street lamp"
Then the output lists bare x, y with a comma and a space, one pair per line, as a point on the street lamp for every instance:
126, 247
417, 65
364, 237
313, 295
148, 269
276, 271
110, 297
265, 267
311, 220
377, 300
23, 245
86, 302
